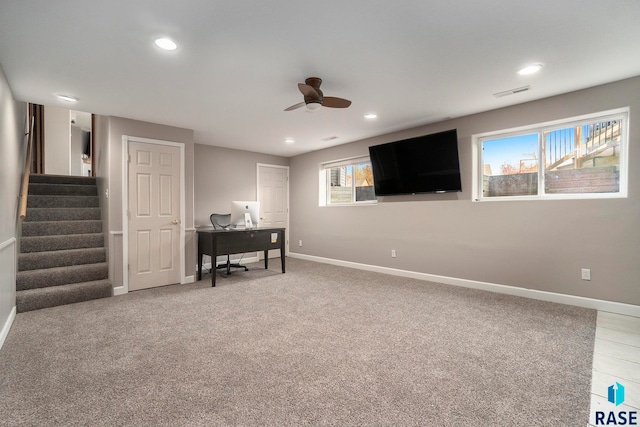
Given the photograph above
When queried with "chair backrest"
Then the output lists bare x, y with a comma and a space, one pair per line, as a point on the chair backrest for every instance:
220, 221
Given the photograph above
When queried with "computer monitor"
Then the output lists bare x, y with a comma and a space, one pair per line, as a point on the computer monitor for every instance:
239, 208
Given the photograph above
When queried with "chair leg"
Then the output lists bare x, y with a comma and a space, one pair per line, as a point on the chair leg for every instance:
237, 265
228, 266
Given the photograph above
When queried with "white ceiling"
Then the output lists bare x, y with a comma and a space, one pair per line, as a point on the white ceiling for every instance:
238, 62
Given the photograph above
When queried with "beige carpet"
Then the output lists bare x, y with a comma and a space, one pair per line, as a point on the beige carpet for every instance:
319, 345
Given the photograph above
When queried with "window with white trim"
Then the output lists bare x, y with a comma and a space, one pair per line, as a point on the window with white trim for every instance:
582, 157
347, 182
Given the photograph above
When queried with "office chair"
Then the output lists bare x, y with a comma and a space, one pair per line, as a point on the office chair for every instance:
223, 222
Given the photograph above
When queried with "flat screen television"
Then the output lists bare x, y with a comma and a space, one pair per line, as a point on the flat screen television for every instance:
86, 143
425, 164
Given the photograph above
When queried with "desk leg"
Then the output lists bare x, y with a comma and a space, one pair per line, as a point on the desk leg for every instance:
199, 264
282, 250
214, 258
266, 260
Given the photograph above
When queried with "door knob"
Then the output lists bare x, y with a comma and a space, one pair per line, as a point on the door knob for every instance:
175, 221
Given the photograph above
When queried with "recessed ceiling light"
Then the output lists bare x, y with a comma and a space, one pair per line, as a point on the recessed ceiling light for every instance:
289, 140
67, 98
530, 69
166, 44
370, 116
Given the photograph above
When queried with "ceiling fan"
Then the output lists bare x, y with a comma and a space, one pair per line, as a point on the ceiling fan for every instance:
314, 98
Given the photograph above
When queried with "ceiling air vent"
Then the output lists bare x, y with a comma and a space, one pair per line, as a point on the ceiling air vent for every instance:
512, 91
329, 138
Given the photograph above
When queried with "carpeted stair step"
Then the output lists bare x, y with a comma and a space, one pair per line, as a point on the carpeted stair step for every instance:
62, 189
53, 228
48, 201
62, 214
34, 299
58, 243
51, 259
62, 257
56, 276
61, 179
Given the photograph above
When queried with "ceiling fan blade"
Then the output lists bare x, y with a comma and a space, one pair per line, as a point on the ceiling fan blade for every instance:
333, 102
295, 106
308, 91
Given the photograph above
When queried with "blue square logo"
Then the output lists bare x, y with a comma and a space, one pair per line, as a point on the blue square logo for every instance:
615, 393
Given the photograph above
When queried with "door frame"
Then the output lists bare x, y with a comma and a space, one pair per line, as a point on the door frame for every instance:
125, 205
288, 200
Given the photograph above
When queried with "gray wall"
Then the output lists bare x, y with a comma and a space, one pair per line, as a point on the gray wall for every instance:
57, 134
102, 173
12, 152
223, 175
77, 148
540, 245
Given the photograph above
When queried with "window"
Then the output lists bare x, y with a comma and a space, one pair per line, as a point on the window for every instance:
583, 157
347, 181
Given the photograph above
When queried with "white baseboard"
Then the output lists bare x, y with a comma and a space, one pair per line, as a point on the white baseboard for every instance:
601, 305
7, 326
119, 290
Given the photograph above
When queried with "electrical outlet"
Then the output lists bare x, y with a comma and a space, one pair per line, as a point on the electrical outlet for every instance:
393, 253
586, 274
299, 242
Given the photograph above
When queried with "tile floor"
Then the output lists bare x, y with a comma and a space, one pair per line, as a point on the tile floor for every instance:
616, 358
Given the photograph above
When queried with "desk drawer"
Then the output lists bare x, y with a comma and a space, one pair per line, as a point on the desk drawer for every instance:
247, 241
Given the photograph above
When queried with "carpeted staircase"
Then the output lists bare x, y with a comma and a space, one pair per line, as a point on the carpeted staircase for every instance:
62, 257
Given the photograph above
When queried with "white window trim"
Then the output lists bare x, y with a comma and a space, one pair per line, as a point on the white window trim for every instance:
322, 181
476, 193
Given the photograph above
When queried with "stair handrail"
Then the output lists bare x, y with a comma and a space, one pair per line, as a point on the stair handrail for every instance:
27, 172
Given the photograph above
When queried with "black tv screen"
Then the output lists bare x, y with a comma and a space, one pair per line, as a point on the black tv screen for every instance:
425, 164
86, 143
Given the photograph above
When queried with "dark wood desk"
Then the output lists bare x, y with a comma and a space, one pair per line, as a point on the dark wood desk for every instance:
225, 242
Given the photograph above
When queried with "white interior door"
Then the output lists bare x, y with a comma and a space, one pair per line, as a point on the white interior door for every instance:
273, 195
154, 215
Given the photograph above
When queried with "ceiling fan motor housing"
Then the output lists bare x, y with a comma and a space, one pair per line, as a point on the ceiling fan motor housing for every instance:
315, 83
